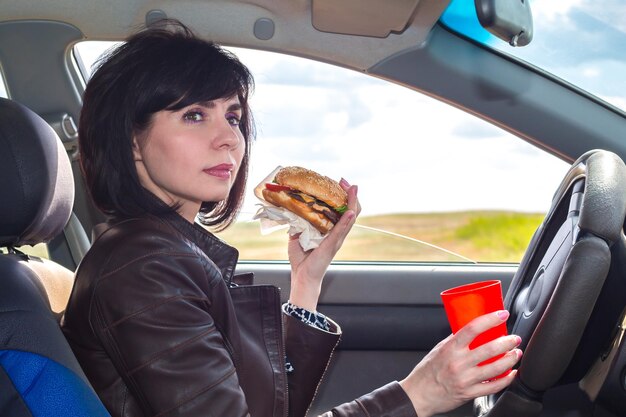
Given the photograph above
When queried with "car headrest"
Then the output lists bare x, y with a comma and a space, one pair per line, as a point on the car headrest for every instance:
36, 182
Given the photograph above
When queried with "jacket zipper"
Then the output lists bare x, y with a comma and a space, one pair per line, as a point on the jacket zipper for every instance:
227, 344
282, 353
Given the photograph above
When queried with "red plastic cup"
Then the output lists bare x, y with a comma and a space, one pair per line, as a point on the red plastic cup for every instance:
463, 304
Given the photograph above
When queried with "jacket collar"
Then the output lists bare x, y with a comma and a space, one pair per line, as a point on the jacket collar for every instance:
219, 252
223, 255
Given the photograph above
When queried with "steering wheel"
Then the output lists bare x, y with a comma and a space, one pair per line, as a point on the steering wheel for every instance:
557, 296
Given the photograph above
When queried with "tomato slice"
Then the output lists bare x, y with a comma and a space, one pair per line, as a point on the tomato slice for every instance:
276, 187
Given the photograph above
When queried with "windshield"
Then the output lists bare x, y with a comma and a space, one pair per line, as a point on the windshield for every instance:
579, 41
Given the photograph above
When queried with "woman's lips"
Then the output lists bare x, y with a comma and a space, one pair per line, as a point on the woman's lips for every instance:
222, 171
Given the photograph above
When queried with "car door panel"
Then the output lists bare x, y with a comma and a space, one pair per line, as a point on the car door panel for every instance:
390, 315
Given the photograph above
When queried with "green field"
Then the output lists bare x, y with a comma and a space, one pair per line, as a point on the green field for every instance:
482, 236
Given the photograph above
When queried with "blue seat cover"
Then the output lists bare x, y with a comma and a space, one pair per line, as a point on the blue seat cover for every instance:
49, 389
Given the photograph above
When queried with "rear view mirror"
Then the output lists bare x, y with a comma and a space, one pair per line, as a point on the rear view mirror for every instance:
509, 20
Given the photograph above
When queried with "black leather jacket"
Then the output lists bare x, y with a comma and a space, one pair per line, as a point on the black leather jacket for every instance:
160, 329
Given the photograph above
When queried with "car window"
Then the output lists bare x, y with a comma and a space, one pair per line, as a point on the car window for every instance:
435, 183
39, 250
3, 87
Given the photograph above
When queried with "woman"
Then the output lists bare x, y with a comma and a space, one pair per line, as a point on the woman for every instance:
156, 317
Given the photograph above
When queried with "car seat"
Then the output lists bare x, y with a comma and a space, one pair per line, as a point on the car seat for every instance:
39, 375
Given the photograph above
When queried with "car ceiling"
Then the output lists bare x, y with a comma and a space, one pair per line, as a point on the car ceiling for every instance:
232, 23
423, 55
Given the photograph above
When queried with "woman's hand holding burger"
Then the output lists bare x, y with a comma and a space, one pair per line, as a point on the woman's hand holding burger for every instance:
308, 268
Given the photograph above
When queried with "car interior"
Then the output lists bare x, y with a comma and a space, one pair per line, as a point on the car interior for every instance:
567, 295
37, 361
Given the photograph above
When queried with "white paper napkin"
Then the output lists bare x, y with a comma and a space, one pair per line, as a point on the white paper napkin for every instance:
273, 218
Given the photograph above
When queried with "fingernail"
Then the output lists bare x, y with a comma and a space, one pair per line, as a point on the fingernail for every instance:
356, 189
518, 340
344, 182
516, 353
503, 315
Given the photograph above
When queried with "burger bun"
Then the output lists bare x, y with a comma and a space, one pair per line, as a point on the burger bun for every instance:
310, 182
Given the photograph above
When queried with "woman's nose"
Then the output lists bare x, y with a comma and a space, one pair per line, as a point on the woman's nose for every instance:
227, 135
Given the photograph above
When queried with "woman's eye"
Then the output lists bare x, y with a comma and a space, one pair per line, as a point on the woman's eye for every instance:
233, 119
193, 116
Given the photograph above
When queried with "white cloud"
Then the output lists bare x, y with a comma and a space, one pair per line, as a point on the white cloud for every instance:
611, 12
591, 72
412, 154
553, 10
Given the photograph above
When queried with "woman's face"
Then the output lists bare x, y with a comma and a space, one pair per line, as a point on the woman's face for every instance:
191, 155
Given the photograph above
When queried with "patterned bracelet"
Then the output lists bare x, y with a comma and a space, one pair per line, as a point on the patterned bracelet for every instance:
309, 317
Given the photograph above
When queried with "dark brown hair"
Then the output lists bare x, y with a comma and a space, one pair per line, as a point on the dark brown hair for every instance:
164, 67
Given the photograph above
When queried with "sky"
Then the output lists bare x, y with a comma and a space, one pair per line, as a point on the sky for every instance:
411, 153
582, 41
407, 152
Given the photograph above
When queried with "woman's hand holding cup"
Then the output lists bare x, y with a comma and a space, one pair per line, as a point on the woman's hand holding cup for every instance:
449, 375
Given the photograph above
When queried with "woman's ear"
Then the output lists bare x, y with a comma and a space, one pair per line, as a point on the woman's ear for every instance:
136, 150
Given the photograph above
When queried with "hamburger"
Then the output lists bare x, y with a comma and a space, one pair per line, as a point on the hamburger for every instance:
317, 199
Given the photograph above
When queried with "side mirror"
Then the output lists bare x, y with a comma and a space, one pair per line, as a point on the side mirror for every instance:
509, 20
